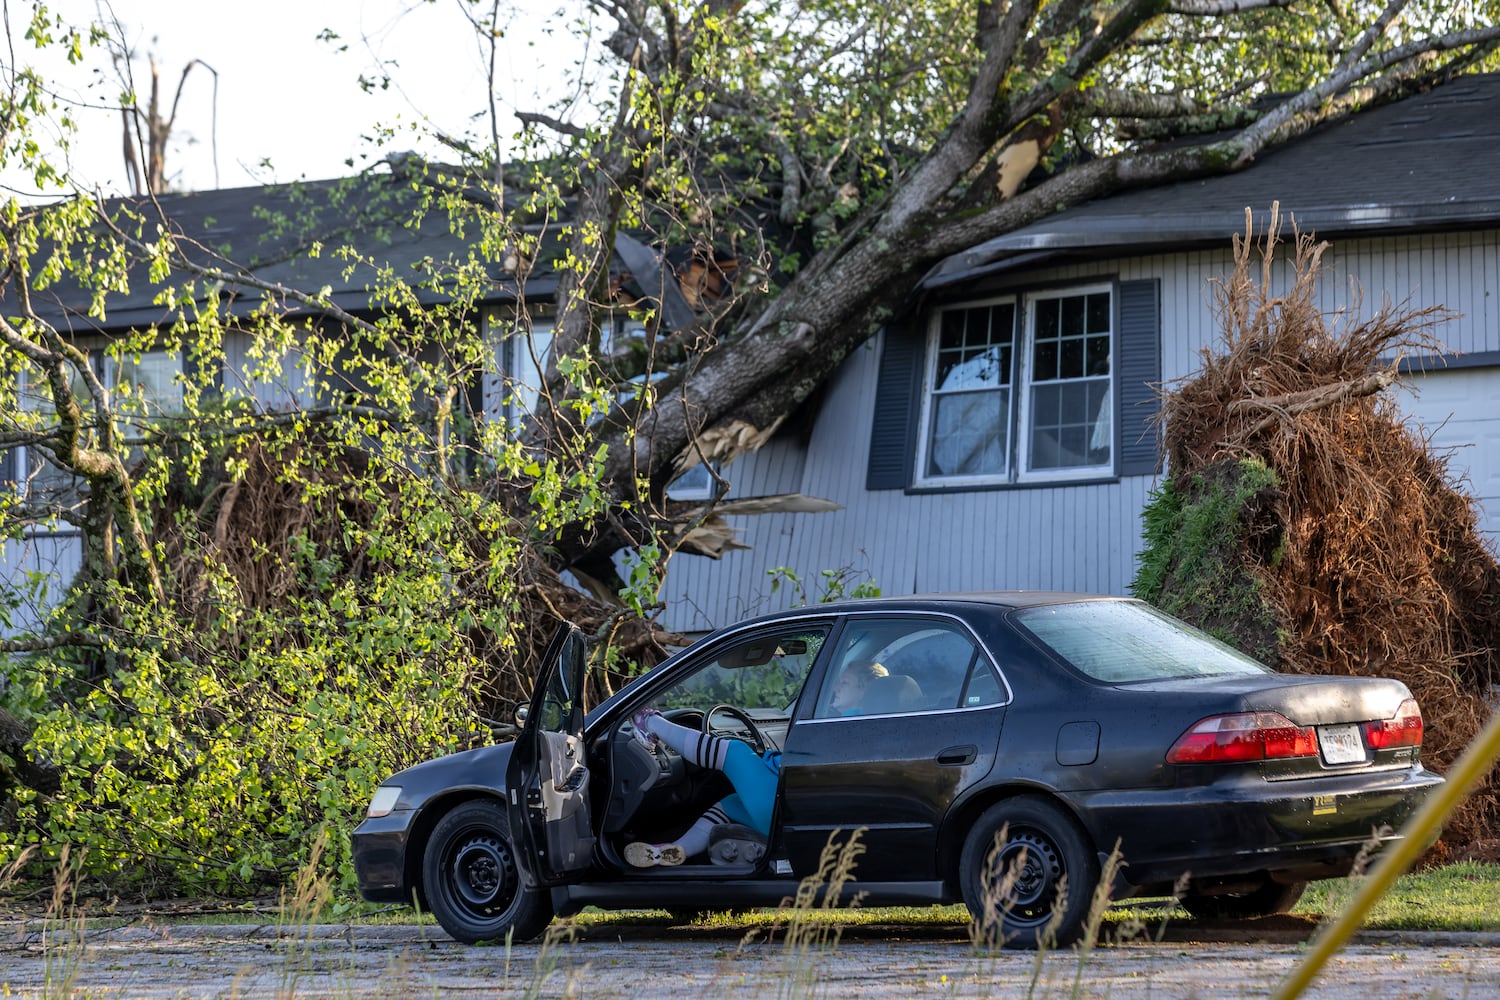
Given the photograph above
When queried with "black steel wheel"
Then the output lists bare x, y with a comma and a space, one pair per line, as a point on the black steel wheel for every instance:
1271, 898
1028, 874
472, 883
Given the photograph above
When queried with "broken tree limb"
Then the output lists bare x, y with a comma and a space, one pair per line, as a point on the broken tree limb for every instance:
1292, 404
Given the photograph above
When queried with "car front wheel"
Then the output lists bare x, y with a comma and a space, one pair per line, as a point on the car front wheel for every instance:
472, 883
1028, 874
1271, 898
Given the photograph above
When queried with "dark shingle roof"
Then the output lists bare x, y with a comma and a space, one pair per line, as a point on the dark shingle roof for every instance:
271, 231
1424, 163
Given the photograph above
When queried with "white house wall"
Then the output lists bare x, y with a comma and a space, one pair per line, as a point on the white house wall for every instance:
1083, 538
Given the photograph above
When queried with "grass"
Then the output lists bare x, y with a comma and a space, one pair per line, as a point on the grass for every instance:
1461, 897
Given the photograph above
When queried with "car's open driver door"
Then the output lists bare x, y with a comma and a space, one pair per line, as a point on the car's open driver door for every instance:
548, 779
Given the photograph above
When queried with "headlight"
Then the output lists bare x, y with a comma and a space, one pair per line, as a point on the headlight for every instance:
384, 800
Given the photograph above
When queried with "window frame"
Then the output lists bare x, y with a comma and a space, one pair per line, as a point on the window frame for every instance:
1018, 446
27, 468
930, 358
834, 649
1022, 456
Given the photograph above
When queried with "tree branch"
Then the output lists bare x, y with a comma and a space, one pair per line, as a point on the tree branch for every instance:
1221, 8
41, 644
555, 124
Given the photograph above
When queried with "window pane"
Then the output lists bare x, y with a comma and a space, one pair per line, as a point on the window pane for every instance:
1044, 364
1118, 642
524, 359
1072, 315
1098, 312
952, 334
763, 675
1070, 425
910, 665
1098, 355
984, 687
1046, 317
974, 348
1070, 358
694, 484
973, 369
969, 433
151, 382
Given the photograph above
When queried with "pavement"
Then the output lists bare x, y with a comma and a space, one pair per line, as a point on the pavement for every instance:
144, 960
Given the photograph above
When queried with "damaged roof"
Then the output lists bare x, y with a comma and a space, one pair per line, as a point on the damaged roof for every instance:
1420, 164
291, 234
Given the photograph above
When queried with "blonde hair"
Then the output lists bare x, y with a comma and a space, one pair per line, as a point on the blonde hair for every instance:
864, 671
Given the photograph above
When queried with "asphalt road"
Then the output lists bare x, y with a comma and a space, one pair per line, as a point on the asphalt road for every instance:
654, 962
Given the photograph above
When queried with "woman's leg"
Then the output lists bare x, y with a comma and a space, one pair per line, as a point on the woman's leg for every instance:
675, 852
754, 782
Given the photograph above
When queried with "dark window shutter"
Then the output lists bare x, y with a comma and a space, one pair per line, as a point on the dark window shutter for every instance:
9, 473
1139, 371
893, 431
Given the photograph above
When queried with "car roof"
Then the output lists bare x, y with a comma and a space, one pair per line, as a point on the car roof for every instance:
936, 602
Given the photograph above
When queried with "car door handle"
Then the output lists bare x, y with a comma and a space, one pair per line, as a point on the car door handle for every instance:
958, 756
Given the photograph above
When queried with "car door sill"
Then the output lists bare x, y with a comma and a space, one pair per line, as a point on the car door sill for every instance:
710, 894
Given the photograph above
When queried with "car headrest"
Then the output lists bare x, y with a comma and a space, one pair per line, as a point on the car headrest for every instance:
893, 693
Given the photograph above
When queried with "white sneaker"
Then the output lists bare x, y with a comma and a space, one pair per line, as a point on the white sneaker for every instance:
641, 855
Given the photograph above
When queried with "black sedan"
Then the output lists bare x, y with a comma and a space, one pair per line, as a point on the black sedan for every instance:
1005, 745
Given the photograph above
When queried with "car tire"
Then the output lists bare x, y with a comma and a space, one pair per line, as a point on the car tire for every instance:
1270, 899
471, 880
1048, 899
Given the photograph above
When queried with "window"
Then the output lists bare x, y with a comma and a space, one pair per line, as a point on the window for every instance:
969, 405
1019, 390
762, 675
696, 483
897, 666
1123, 642
140, 387
512, 389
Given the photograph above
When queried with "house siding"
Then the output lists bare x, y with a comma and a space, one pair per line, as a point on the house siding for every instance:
1072, 537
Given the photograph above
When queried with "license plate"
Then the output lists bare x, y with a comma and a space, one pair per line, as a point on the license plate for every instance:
1341, 744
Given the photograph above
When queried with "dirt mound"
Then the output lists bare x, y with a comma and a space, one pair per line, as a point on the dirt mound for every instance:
1344, 545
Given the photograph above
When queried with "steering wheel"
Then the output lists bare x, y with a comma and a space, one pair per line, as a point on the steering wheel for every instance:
757, 738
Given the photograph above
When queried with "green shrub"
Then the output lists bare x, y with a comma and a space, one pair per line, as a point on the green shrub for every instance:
1204, 539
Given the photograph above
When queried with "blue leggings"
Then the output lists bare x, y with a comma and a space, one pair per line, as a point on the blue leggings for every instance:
754, 786
753, 778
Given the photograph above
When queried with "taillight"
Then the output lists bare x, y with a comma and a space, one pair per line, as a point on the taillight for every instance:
1246, 736
1404, 729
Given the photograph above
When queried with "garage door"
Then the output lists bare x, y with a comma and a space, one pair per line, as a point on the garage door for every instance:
1460, 411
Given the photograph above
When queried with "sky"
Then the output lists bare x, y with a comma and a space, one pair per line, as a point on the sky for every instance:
284, 103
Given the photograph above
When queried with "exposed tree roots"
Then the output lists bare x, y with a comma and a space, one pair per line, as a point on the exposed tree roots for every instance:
1379, 568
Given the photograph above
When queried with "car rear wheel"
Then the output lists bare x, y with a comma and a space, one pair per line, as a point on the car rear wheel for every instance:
472, 883
1271, 898
1027, 874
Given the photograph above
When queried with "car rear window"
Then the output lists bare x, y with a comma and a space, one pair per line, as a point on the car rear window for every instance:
1121, 642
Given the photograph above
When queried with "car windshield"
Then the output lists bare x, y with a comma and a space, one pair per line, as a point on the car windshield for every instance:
1120, 642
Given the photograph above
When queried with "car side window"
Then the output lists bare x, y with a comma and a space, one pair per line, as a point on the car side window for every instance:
896, 666
762, 673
